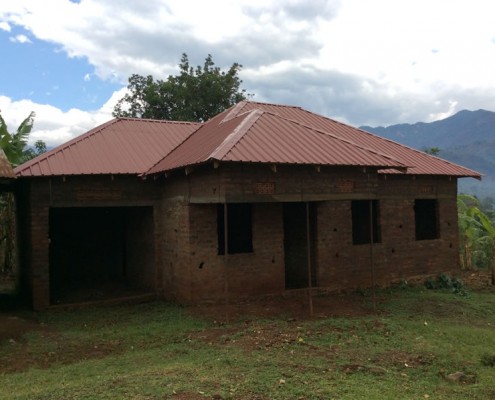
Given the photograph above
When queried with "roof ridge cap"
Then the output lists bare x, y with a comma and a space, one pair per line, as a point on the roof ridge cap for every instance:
233, 138
160, 121
265, 103
234, 111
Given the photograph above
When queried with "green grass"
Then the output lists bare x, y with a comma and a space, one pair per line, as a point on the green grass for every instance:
159, 351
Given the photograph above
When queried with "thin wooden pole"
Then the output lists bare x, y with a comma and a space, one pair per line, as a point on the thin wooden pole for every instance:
226, 258
372, 263
308, 245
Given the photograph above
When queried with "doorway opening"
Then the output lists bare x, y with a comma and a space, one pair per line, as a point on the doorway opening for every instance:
297, 256
98, 253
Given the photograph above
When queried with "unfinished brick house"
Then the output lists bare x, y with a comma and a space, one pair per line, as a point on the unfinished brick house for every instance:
260, 199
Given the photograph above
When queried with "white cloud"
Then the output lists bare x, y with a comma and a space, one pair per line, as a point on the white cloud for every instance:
20, 39
51, 124
442, 115
5, 26
363, 62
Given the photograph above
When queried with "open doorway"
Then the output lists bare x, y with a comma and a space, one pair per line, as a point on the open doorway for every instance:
100, 252
296, 220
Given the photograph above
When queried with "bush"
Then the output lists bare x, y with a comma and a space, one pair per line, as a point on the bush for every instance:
445, 282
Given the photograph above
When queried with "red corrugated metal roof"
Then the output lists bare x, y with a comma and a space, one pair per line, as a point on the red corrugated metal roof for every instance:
263, 137
418, 162
5, 167
248, 132
120, 146
269, 133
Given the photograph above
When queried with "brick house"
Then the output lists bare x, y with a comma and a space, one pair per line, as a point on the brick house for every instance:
260, 199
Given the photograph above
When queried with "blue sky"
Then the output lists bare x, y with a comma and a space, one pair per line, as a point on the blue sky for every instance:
362, 62
42, 72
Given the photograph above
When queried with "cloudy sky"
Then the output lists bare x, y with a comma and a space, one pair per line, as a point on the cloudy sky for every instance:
363, 62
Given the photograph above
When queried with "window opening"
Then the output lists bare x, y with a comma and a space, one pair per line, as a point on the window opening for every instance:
426, 219
361, 220
239, 228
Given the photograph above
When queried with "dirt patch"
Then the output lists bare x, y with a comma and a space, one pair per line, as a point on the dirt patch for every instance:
13, 327
291, 307
23, 356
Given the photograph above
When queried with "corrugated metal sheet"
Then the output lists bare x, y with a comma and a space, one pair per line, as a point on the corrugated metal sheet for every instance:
6, 170
268, 133
263, 137
419, 163
248, 132
120, 146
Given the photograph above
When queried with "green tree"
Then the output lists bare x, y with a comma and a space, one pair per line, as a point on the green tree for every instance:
477, 234
433, 151
195, 94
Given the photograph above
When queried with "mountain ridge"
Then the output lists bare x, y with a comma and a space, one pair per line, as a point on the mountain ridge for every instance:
466, 138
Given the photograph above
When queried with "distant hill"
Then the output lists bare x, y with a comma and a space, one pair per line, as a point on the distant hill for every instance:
466, 138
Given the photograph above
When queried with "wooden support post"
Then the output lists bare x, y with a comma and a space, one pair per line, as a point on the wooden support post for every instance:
372, 263
226, 258
308, 245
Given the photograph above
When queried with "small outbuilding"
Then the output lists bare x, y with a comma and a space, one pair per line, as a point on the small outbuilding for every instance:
259, 200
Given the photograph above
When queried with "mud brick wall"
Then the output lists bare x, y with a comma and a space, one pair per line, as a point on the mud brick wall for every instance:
38, 196
187, 266
199, 272
399, 256
196, 272
104, 190
34, 247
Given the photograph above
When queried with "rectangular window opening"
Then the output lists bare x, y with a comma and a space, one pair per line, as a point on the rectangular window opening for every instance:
239, 228
426, 219
364, 214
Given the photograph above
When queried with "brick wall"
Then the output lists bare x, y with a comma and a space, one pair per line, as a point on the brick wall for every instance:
399, 256
187, 266
38, 196
199, 272
33, 215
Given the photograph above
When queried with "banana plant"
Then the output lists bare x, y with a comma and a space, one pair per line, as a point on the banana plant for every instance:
477, 231
14, 145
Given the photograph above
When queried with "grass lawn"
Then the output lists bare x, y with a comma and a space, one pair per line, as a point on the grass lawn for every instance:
407, 349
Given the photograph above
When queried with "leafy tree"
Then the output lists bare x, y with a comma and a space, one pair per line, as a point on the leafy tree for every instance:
195, 94
477, 234
433, 151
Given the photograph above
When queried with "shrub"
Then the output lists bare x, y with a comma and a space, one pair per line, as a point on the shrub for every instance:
445, 282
